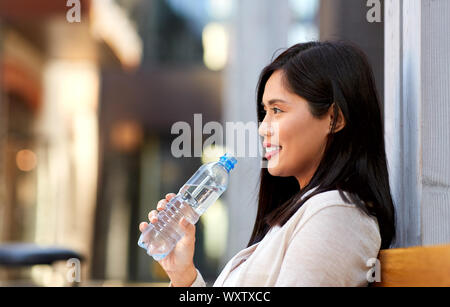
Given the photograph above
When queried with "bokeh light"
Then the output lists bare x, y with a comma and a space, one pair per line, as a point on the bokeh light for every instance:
26, 160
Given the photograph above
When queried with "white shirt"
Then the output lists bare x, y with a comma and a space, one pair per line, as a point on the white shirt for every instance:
238, 263
327, 242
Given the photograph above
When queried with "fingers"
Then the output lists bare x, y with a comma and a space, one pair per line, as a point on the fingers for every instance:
143, 226
163, 202
169, 196
152, 216
161, 205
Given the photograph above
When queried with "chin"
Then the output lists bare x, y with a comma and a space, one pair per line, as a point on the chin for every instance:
274, 169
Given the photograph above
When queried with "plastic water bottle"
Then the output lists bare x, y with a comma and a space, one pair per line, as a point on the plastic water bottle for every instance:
194, 197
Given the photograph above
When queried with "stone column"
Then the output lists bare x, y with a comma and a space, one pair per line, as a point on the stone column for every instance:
416, 118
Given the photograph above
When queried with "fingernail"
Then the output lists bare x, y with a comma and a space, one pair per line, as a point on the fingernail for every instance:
184, 222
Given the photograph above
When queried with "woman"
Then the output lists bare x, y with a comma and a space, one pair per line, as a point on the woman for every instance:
324, 207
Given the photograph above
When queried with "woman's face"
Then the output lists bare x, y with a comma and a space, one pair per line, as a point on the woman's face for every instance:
294, 141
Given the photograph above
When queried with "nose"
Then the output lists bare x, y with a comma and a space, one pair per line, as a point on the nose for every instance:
265, 129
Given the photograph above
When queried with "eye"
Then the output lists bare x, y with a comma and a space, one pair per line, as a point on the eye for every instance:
276, 110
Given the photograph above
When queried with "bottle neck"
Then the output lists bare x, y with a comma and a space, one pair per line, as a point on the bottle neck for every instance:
225, 166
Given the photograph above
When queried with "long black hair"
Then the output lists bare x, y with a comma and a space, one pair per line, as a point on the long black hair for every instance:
332, 74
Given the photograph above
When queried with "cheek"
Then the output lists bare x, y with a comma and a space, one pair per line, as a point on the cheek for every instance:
302, 139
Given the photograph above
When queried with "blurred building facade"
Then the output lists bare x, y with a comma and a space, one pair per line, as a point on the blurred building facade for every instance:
50, 82
347, 20
174, 81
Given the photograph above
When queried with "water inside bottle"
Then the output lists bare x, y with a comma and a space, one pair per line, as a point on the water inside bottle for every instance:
200, 197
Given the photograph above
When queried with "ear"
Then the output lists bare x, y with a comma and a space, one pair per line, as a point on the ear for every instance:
340, 121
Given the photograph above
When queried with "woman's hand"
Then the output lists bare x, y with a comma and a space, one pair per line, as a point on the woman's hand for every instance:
179, 264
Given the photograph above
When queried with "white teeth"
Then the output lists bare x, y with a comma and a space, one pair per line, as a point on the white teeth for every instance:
270, 149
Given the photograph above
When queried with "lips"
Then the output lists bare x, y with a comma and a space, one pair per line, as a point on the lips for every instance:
271, 150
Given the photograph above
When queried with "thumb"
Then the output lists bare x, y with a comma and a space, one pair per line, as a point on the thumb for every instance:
188, 228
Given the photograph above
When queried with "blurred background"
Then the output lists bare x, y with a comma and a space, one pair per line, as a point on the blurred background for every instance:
86, 110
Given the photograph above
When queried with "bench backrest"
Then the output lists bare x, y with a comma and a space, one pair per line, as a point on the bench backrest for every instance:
415, 266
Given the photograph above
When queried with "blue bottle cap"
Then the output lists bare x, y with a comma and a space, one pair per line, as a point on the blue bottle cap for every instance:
228, 161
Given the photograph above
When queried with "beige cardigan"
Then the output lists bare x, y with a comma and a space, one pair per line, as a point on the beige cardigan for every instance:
327, 242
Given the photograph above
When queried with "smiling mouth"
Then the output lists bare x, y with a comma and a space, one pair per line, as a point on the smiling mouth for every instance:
272, 151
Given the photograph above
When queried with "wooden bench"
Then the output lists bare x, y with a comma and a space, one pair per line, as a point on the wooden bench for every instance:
423, 266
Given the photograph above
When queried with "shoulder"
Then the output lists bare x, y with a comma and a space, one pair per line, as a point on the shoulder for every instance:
331, 201
331, 212
329, 242
328, 198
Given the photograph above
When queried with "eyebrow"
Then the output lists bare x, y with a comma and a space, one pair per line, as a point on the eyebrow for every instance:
273, 101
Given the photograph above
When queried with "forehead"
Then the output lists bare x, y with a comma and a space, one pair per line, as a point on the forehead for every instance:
278, 91
276, 87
